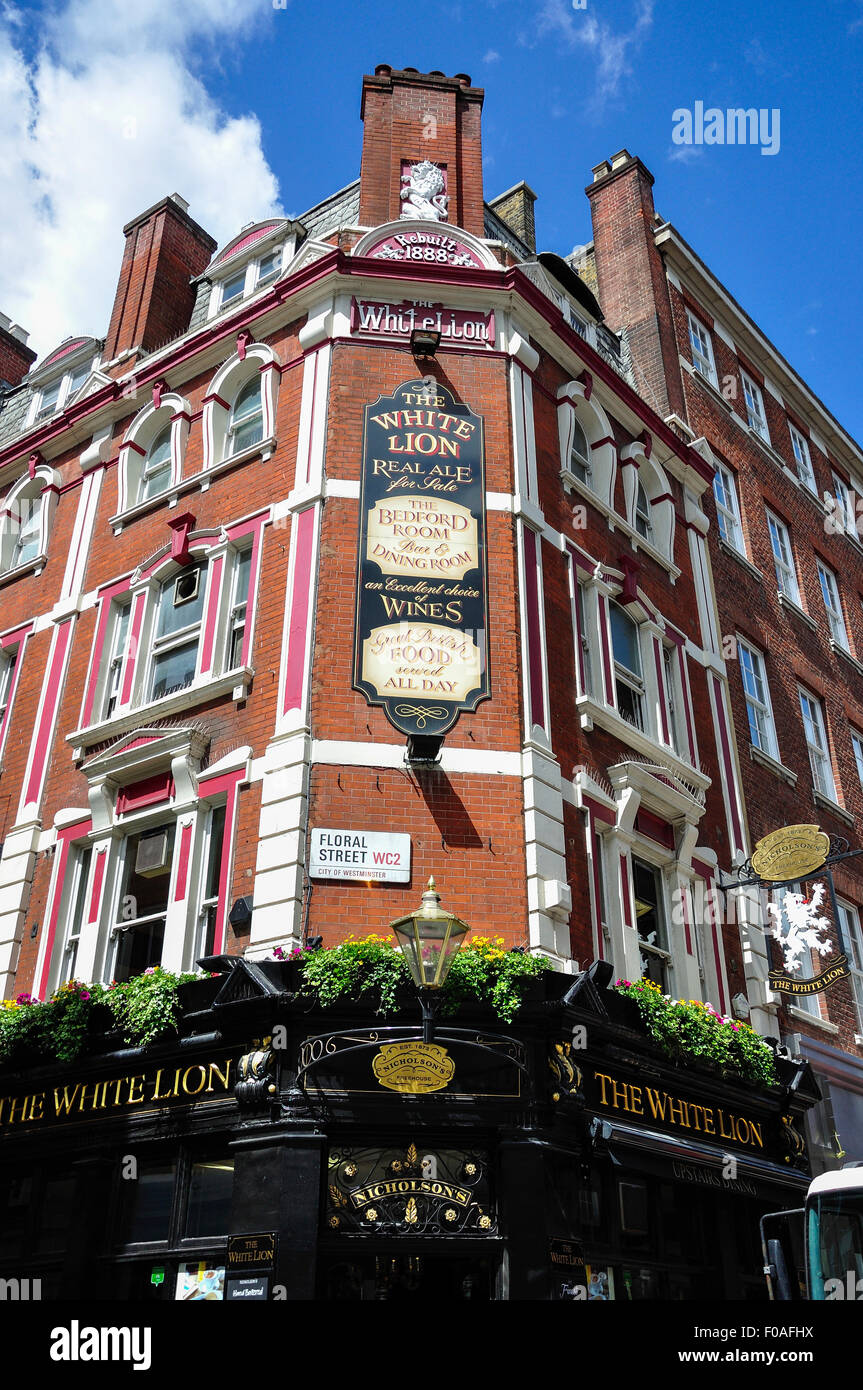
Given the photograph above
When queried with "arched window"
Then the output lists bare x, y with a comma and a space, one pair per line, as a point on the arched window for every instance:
643, 523
588, 455
246, 423
156, 472
240, 405
579, 454
151, 455
26, 519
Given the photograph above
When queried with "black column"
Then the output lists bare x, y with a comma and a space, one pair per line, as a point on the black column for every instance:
277, 1187
523, 1174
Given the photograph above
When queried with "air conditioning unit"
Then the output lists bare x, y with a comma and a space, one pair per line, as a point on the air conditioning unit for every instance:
153, 856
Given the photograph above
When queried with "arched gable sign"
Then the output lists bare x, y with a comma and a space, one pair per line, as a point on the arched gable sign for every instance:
414, 242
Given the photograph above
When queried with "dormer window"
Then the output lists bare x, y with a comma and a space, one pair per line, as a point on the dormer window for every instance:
248, 263
53, 391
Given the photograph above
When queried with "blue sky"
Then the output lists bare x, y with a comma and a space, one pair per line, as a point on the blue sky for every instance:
245, 108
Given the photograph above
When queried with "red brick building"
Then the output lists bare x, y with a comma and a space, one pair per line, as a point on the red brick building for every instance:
787, 565
230, 663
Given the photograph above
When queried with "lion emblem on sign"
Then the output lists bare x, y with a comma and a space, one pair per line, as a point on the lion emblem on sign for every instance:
798, 926
422, 192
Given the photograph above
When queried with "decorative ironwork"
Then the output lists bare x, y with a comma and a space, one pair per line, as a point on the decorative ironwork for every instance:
330, 1051
254, 1083
408, 1192
567, 1077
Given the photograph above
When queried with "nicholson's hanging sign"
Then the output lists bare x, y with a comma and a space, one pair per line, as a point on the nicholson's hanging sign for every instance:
420, 632
790, 853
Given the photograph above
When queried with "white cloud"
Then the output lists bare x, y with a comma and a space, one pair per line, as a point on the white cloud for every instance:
610, 51
491, 57
685, 154
105, 118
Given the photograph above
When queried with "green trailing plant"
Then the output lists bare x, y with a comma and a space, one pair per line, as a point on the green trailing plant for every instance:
372, 969
56, 1029
148, 1005
689, 1030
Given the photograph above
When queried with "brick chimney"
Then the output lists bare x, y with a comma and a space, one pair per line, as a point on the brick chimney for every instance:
154, 299
632, 287
515, 208
410, 117
16, 358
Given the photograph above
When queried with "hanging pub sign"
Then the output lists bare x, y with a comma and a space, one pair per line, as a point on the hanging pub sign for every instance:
420, 634
785, 984
790, 853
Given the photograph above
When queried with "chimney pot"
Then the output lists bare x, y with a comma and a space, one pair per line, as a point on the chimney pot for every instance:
599, 171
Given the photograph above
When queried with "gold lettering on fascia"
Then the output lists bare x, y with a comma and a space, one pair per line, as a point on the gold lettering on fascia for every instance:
398, 1187
658, 1104
72, 1099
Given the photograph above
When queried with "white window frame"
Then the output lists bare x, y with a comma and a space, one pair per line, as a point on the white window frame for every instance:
756, 416
783, 558
233, 428
116, 647
701, 347
208, 900
660, 952
238, 609
817, 743
148, 471
67, 380
163, 816
8, 662
642, 518
76, 908
579, 461
633, 680
250, 270
853, 937
756, 695
182, 636
833, 605
728, 508
674, 700
802, 458
857, 745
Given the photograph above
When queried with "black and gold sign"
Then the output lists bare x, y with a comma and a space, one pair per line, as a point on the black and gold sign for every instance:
781, 983
414, 1068
656, 1107
133, 1092
420, 632
408, 1191
790, 853
251, 1252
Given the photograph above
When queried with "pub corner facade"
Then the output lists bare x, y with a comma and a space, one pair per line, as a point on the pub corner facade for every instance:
363, 549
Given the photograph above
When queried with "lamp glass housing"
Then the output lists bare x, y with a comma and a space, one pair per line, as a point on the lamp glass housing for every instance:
429, 939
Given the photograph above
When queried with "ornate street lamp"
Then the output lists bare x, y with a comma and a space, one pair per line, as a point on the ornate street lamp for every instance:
429, 939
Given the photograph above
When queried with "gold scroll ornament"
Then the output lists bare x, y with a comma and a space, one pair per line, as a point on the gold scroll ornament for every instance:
790, 853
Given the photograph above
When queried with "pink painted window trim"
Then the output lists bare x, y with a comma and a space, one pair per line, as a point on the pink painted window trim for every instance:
65, 837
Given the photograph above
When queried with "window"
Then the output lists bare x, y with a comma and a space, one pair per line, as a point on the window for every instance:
762, 731
579, 455
235, 282
142, 902
727, 509
174, 655
702, 349
783, 562
8, 658
583, 639
157, 467
832, 603
673, 701
650, 922
238, 612
233, 288
27, 513
755, 415
212, 865
857, 745
847, 505
120, 630
643, 524
246, 423
629, 679
816, 742
800, 446
57, 393
80, 877
853, 938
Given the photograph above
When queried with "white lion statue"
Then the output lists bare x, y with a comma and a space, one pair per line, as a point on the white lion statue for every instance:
423, 194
